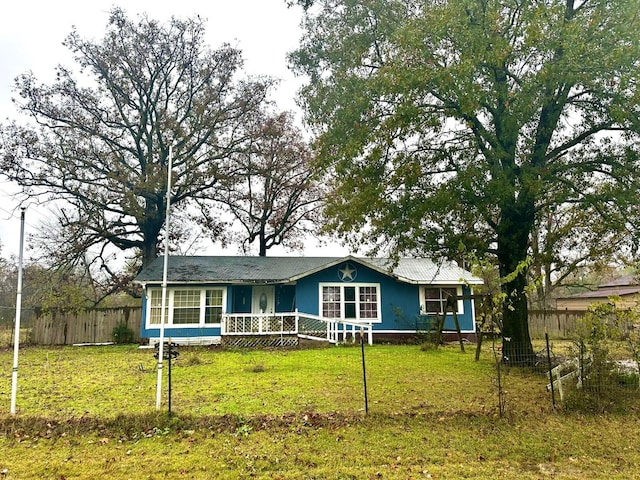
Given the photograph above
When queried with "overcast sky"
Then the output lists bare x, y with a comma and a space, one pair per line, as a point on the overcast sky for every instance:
32, 31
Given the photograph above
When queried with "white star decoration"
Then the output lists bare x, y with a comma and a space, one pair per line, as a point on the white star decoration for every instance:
347, 273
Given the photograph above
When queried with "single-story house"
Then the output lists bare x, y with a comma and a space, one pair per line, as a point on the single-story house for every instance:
626, 288
209, 298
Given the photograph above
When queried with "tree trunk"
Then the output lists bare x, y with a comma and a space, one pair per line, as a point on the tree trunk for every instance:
262, 241
151, 228
149, 252
516, 339
514, 231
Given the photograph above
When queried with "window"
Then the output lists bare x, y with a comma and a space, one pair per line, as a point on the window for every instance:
213, 306
155, 307
350, 302
435, 299
368, 302
193, 306
331, 302
186, 306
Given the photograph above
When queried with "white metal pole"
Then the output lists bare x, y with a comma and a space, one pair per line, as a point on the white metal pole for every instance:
16, 336
164, 284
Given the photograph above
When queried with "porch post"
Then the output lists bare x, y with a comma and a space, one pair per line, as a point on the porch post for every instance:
370, 334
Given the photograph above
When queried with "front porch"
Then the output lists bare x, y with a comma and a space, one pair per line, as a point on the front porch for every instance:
294, 324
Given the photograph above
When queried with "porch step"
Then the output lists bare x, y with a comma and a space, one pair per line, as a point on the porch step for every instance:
261, 341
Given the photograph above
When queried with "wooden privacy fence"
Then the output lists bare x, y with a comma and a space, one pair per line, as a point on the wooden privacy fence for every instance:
559, 323
89, 326
96, 325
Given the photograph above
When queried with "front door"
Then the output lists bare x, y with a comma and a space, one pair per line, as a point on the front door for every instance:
263, 299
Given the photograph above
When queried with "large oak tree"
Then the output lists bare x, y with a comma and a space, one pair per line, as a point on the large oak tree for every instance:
99, 137
469, 122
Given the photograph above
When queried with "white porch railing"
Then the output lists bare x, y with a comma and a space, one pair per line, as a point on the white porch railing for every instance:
259, 324
303, 325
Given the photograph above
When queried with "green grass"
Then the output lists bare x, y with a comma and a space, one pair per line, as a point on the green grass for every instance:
106, 381
296, 414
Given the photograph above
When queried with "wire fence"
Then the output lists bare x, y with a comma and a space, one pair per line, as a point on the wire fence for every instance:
7, 325
594, 377
591, 368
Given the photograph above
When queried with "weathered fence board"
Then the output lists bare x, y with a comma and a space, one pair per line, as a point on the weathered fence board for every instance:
96, 325
558, 323
90, 326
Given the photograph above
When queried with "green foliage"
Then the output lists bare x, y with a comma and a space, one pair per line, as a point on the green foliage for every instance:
481, 123
58, 288
122, 334
602, 385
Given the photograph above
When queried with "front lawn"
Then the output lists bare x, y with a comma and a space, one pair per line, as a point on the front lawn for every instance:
86, 411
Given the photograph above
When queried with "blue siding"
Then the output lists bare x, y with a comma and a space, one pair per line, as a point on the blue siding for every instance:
400, 305
170, 332
175, 332
399, 302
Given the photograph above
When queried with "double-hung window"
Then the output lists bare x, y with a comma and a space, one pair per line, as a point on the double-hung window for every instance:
154, 301
213, 305
350, 301
187, 306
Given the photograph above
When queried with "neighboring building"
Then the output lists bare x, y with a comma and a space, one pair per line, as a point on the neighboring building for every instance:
211, 298
626, 289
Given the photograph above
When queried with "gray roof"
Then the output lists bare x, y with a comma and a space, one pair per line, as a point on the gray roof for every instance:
624, 281
606, 292
617, 287
215, 269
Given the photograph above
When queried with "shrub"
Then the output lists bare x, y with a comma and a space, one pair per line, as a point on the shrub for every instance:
122, 334
601, 386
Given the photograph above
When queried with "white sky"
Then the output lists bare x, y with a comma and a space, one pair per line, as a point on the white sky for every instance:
32, 31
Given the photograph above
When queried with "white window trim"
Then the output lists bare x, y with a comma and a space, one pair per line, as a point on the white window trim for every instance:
423, 300
170, 295
342, 285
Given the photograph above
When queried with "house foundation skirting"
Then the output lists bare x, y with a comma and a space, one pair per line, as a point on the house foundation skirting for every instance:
188, 340
260, 341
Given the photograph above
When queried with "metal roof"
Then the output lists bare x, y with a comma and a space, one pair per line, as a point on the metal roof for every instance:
425, 270
222, 269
